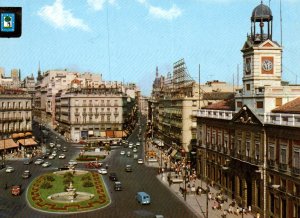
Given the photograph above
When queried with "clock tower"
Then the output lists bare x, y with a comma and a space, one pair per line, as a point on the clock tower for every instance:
261, 55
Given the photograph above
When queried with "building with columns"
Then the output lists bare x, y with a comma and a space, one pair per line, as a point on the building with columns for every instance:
249, 145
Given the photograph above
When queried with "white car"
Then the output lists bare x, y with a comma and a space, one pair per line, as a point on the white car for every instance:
51, 157
122, 153
46, 164
9, 169
39, 161
137, 143
51, 145
102, 171
58, 145
134, 150
72, 162
130, 145
140, 161
62, 156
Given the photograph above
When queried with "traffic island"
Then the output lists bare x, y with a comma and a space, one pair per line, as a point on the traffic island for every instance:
43, 187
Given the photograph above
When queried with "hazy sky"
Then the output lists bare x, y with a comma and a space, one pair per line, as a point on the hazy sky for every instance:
135, 36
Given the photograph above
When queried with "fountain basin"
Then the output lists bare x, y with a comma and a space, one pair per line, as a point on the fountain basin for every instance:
65, 197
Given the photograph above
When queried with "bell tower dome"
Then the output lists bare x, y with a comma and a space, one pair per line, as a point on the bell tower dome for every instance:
261, 23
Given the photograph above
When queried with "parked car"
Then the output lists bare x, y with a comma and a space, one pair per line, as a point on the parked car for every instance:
46, 164
128, 168
113, 177
128, 154
9, 169
51, 157
135, 156
26, 174
58, 145
51, 145
143, 198
38, 161
134, 150
137, 143
62, 156
118, 186
140, 161
102, 171
16, 190
27, 161
122, 153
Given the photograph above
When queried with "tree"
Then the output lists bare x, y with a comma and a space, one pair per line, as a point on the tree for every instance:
7, 18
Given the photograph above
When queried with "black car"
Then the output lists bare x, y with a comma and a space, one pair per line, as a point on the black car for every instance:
26, 174
63, 168
128, 168
113, 177
64, 149
27, 161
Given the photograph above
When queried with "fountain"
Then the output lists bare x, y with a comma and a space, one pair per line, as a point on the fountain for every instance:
70, 196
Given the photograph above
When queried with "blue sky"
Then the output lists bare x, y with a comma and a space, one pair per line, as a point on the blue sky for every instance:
138, 35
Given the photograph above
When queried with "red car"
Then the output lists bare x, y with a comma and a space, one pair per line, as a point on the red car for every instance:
16, 190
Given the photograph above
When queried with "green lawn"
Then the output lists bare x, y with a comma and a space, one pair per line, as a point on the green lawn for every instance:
58, 186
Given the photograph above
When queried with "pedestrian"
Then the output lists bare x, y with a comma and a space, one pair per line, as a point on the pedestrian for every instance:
6, 187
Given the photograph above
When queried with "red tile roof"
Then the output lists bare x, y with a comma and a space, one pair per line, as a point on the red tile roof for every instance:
228, 104
290, 107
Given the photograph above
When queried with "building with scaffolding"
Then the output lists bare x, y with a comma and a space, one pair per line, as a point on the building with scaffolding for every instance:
173, 99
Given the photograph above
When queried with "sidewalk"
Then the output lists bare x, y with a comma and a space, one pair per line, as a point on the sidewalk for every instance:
195, 202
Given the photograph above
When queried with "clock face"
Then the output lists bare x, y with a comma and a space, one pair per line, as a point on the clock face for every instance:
267, 65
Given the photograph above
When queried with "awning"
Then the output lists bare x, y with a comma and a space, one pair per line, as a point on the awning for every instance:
173, 152
27, 142
21, 134
28, 134
118, 133
7, 144
15, 135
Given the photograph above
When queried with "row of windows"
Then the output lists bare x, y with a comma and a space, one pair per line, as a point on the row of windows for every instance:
96, 109
283, 155
95, 102
15, 105
107, 118
260, 104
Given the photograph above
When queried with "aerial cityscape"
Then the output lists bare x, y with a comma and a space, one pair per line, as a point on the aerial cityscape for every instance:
151, 113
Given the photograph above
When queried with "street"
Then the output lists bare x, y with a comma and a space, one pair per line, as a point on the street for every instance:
143, 178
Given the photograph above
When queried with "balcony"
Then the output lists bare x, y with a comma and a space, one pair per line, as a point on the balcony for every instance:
271, 164
76, 113
296, 171
283, 167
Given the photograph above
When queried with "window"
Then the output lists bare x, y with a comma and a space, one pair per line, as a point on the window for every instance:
248, 87
259, 104
283, 153
271, 152
208, 138
278, 102
108, 118
296, 158
194, 103
76, 102
257, 150
239, 104
102, 118
116, 102
247, 148
108, 102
